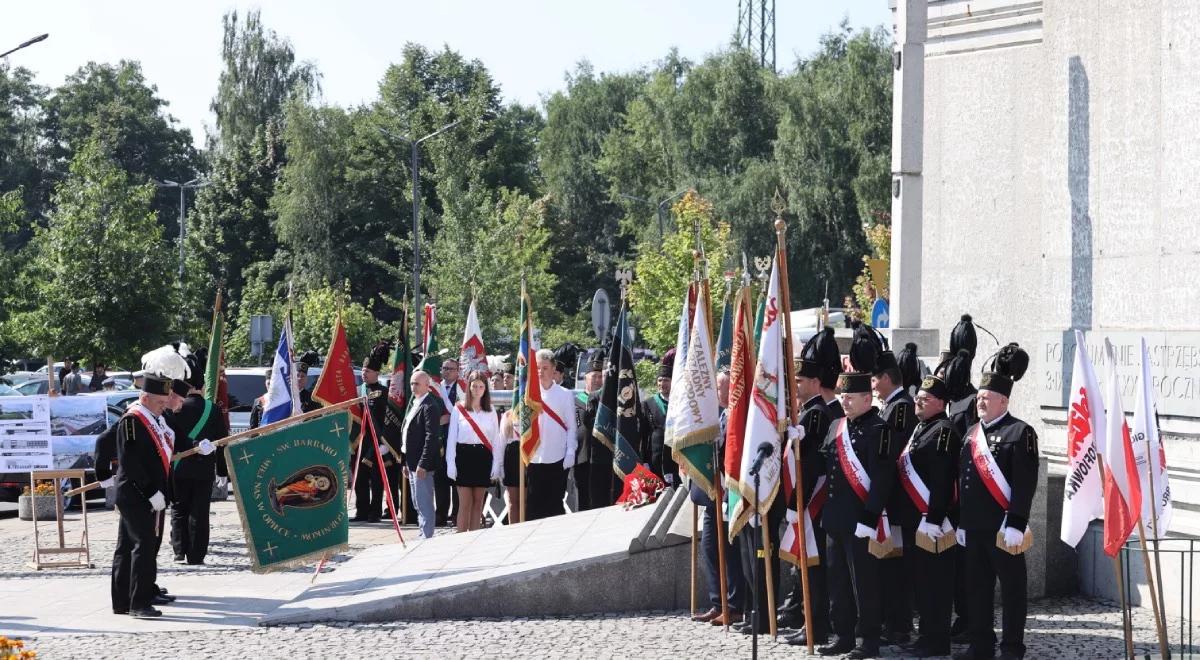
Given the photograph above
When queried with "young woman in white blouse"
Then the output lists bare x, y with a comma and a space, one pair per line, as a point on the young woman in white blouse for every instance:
474, 451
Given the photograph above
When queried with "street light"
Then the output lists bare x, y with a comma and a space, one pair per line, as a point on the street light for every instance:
198, 182
416, 210
661, 206
40, 37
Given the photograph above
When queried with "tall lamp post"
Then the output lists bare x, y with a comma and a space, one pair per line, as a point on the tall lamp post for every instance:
40, 37
198, 182
416, 209
661, 206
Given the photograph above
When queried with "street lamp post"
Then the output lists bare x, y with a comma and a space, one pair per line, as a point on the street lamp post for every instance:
660, 206
40, 37
416, 210
183, 188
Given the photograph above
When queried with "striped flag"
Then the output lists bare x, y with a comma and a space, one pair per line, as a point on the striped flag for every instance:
741, 373
529, 389
682, 336
283, 398
697, 419
1122, 487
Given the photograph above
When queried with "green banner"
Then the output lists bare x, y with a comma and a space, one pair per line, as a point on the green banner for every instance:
291, 491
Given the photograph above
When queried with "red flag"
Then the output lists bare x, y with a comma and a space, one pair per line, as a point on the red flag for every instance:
741, 373
1122, 487
336, 383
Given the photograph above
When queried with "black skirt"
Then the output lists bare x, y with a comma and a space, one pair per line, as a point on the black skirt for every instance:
474, 464
512, 469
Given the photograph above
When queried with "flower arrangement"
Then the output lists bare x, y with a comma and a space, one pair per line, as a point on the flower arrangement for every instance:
641, 487
14, 649
40, 488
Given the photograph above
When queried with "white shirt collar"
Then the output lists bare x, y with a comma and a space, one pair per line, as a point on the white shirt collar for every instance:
994, 422
895, 393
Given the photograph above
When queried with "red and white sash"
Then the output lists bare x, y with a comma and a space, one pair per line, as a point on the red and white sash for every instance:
987, 468
548, 410
164, 442
462, 410
856, 474
917, 491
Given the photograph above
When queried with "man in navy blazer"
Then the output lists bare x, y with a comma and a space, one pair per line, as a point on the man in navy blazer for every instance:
422, 448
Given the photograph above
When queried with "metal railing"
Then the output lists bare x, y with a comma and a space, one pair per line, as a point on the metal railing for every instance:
1173, 561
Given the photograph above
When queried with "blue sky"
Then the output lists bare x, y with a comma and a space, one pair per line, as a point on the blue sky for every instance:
528, 45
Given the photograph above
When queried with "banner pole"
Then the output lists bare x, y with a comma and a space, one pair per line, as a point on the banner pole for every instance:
695, 546
719, 505
1151, 582
275, 426
387, 488
1157, 595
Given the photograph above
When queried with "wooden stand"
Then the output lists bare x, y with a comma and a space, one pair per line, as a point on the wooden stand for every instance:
83, 557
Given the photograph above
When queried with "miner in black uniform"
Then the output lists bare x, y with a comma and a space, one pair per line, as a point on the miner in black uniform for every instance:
819, 357
601, 484
197, 423
306, 361
986, 521
260, 404
911, 372
368, 489
854, 509
830, 358
143, 481
661, 462
932, 456
897, 413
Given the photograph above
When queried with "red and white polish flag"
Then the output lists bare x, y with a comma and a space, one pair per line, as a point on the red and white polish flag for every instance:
1122, 487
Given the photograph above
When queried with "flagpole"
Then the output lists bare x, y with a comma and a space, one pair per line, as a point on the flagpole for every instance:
516, 422
1158, 621
793, 410
1126, 623
1155, 593
696, 258
719, 504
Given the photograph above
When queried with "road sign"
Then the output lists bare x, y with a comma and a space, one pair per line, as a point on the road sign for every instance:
261, 332
879, 313
601, 315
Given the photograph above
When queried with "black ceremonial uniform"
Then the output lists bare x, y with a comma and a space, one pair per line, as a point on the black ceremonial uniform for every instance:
661, 462
899, 414
368, 489
106, 453
307, 402
835, 408
140, 474
603, 486
256, 411
1014, 445
934, 450
962, 413
192, 477
854, 574
815, 419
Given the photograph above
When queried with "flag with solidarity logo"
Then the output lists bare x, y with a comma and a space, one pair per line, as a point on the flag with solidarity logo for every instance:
1150, 456
283, 397
741, 375
529, 390
337, 383
472, 354
1122, 487
768, 410
697, 416
618, 413
1083, 489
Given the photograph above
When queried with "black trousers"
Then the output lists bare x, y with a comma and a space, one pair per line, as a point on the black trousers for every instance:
368, 492
931, 580
135, 561
445, 495
189, 518
603, 484
960, 584
750, 541
985, 563
854, 588
583, 494
547, 483
894, 581
735, 583
395, 476
818, 589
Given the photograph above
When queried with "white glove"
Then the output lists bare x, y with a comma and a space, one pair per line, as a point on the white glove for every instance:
795, 433
206, 447
1012, 537
497, 473
158, 502
222, 482
669, 479
931, 530
384, 449
960, 535
863, 532
569, 461
108, 483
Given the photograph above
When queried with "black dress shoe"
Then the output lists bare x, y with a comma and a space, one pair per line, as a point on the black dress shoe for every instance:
179, 559
162, 600
790, 620
958, 627
837, 648
119, 610
863, 651
358, 518
801, 639
198, 562
372, 519
145, 613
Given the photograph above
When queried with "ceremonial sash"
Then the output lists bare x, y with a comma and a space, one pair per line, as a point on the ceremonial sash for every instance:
549, 410
856, 474
917, 491
987, 468
162, 444
475, 427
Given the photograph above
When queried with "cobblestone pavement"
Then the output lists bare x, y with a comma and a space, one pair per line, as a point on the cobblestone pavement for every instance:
1057, 628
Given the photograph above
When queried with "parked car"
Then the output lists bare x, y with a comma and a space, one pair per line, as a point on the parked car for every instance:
248, 383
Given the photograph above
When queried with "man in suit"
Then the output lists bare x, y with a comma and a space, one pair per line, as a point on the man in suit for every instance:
445, 494
421, 448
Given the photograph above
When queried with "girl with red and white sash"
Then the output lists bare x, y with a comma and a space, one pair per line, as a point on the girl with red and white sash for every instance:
474, 451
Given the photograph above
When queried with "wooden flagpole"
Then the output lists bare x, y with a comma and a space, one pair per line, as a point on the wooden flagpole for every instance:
1150, 581
1157, 595
793, 408
275, 426
695, 545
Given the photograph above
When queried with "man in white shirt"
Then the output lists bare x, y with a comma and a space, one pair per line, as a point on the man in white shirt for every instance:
555, 453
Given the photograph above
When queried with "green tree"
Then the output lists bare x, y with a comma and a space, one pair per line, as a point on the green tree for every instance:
116, 107
661, 276
313, 314
98, 284
22, 152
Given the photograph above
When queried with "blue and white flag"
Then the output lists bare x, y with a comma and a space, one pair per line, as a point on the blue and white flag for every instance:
283, 399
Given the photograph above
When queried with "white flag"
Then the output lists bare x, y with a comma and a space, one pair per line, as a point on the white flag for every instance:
472, 354
1149, 455
1083, 492
768, 407
698, 415
675, 402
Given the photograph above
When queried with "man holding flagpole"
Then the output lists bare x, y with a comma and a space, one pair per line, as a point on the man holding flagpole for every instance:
555, 453
998, 473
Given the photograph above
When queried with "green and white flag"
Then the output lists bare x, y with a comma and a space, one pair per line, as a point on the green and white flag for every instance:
697, 415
